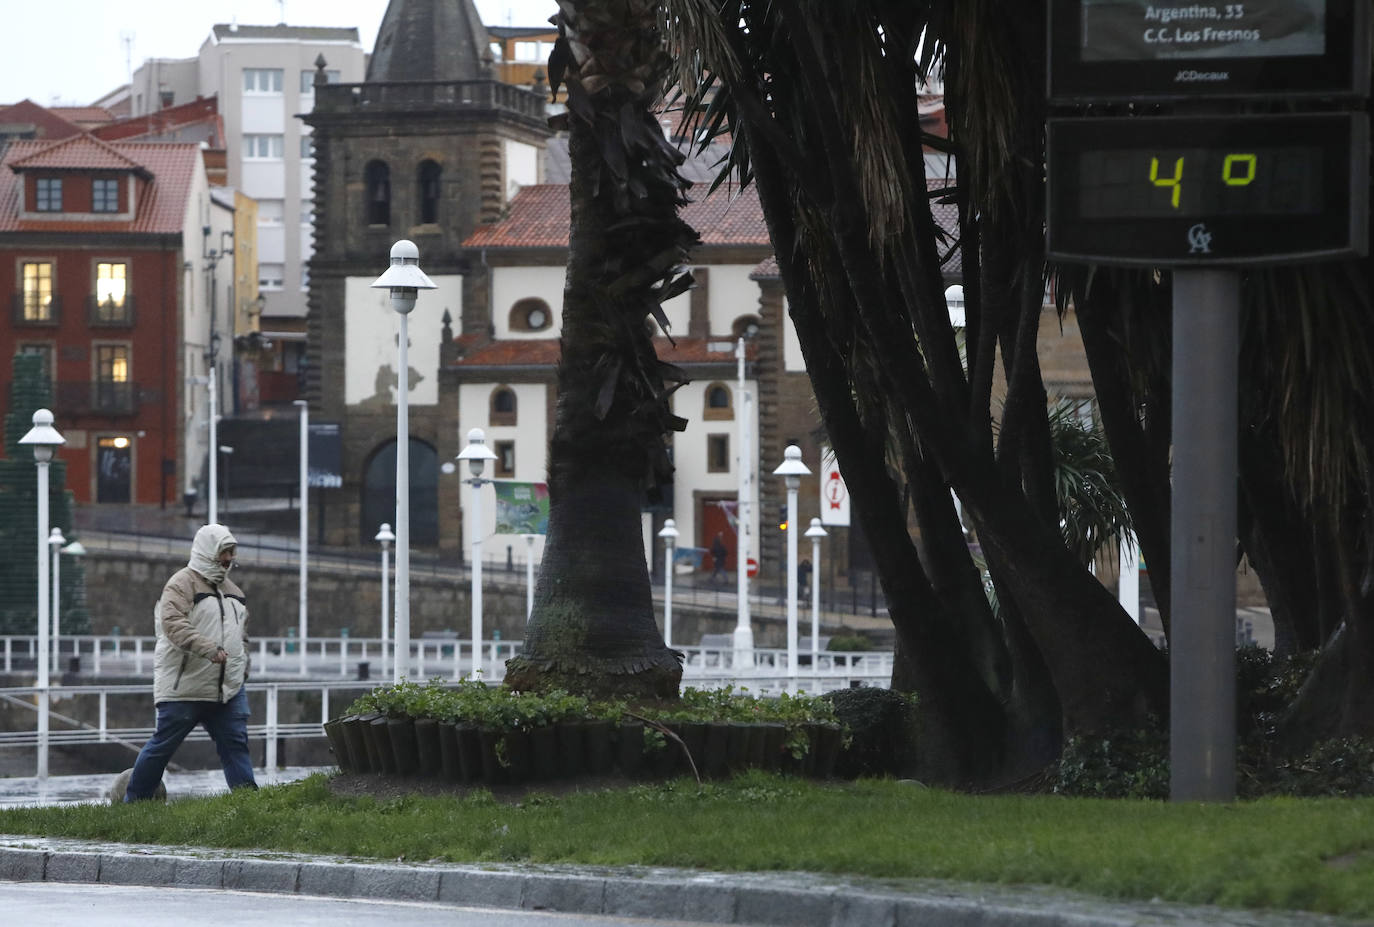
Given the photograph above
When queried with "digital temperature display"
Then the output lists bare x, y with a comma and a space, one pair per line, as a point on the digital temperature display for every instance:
1208, 190
1176, 182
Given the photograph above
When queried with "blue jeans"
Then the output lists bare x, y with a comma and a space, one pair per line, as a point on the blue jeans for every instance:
227, 725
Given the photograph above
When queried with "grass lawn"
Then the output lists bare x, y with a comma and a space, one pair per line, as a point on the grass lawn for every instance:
1302, 854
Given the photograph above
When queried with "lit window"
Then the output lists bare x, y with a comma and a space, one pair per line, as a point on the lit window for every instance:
262, 147
49, 197
262, 80
38, 305
505, 459
717, 453
113, 391
104, 196
111, 287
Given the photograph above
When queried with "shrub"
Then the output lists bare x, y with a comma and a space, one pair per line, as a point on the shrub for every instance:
849, 642
1129, 764
1340, 767
881, 726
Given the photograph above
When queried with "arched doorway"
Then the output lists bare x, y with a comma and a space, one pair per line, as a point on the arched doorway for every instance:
379, 493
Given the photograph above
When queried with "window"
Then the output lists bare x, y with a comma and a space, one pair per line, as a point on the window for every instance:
377, 179
717, 453
533, 52
44, 352
36, 298
530, 315
307, 147
718, 405
305, 278
331, 76
270, 276
262, 80
112, 387
307, 212
503, 406
111, 292
427, 184
104, 195
262, 147
271, 212
505, 459
49, 197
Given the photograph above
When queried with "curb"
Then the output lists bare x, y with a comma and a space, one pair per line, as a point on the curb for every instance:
781, 899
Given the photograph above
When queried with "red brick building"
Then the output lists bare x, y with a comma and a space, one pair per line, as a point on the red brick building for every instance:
100, 251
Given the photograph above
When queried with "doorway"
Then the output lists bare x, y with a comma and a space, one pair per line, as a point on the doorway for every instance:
113, 469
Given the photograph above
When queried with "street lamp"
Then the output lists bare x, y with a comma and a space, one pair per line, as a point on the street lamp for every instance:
669, 533
303, 596
744, 630
384, 537
476, 454
815, 533
404, 279
55, 542
44, 439
792, 470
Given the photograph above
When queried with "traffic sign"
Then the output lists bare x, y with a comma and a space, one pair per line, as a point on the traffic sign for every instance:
753, 567
1129, 49
1208, 190
834, 500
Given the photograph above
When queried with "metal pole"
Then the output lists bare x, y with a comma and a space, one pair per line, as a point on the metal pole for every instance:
529, 576
1128, 576
212, 516
402, 661
385, 571
477, 667
56, 552
1202, 737
303, 607
815, 604
42, 654
744, 631
668, 596
792, 485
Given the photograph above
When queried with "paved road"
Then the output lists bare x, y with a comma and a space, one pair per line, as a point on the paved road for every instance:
47, 903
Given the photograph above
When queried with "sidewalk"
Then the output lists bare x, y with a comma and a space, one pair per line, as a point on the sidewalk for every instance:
784, 899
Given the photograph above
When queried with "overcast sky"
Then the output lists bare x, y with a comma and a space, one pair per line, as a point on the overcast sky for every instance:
73, 51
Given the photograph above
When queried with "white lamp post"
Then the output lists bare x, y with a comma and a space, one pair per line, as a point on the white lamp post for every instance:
384, 537
792, 470
529, 577
404, 279
815, 533
303, 603
44, 439
669, 533
476, 454
55, 542
212, 507
744, 631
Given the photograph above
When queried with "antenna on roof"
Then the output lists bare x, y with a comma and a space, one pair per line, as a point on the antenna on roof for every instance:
126, 38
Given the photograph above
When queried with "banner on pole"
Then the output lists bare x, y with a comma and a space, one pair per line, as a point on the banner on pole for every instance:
521, 508
834, 493
325, 447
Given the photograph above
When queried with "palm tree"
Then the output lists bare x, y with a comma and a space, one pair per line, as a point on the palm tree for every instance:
592, 629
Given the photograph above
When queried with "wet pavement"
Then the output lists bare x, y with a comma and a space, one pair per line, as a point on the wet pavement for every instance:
28, 791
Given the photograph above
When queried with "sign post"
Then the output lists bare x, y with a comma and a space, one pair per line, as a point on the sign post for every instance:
1226, 185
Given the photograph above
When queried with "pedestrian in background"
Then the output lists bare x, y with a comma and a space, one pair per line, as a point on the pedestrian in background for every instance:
200, 665
718, 555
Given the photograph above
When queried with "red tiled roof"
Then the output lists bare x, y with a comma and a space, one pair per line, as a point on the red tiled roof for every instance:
163, 121
80, 152
161, 203
27, 112
84, 115
766, 270
539, 216
544, 352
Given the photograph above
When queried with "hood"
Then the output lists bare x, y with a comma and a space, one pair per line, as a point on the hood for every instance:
205, 550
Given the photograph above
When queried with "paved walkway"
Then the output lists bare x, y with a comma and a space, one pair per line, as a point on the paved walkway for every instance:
784, 899
28, 791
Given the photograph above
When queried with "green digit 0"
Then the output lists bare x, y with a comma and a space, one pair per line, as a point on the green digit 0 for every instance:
1174, 181
1238, 181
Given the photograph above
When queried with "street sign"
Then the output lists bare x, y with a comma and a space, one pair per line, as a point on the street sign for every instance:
1208, 190
325, 447
834, 500
753, 567
1130, 49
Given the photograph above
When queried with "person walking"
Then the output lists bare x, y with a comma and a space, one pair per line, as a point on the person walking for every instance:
718, 555
199, 666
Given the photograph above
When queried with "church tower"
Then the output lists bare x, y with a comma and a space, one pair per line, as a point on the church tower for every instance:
429, 146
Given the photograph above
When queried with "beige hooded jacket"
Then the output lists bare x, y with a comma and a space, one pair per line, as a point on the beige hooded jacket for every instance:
201, 610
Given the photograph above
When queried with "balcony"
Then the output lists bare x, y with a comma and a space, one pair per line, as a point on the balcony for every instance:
96, 397
24, 313
110, 315
427, 96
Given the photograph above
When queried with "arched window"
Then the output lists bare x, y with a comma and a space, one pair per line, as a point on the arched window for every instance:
718, 404
379, 492
503, 406
530, 315
427, 182
377, 178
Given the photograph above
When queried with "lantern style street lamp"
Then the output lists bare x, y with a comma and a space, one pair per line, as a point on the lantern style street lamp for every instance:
792, 470
384, 537
815, 533
45, 440
476, 454
404, 279
669, 533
